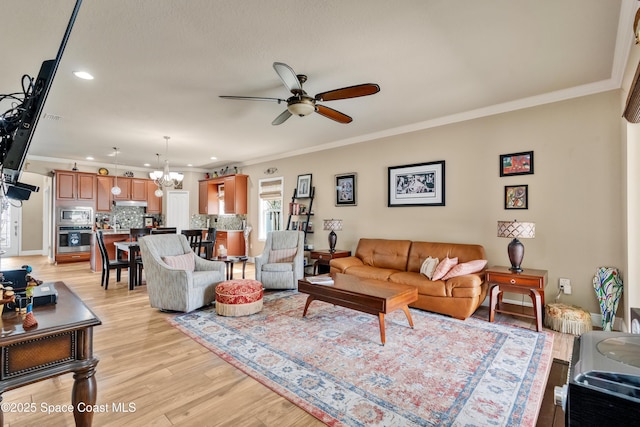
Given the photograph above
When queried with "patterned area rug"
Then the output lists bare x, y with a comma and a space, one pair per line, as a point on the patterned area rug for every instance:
331, 363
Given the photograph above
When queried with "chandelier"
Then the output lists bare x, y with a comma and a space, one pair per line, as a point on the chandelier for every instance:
164, 178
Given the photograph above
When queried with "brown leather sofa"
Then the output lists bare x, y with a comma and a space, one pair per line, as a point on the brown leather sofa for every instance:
399, 261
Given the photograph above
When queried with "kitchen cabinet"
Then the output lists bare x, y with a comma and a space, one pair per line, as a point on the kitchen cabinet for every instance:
103, 193
154, 203
224, 195
139, 189
232, 240
72, 185
125, 188
207, 201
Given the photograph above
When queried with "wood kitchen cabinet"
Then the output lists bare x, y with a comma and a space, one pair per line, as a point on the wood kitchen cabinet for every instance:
232, 240
103, 193
224, 195
125, 188
72, 185
154, 203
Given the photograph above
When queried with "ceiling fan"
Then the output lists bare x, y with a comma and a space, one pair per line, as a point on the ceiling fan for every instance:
302, 104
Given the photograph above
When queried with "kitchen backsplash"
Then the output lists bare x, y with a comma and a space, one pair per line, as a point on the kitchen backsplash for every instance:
221, 222
133, 217
125, 217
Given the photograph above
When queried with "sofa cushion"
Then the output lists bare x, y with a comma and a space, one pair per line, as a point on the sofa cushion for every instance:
443, 268
425, 286
368, 272
429, 266
466, 268
421, 250
382, 253
182, 262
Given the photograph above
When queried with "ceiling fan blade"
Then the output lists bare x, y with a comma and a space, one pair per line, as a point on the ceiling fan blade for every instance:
332, 114
288, 77
349, 92
253, 98
281, 118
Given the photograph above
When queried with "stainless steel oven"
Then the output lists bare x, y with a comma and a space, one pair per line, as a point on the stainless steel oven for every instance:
80, 215
74, 238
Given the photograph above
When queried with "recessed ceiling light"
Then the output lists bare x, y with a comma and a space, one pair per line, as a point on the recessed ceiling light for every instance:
83, 75
89, 158
189, 165
213, 158
146, 165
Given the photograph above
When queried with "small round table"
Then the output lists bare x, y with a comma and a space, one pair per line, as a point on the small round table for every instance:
229, 261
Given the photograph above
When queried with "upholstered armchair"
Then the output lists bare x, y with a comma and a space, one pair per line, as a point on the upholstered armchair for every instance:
177, 280
281, 264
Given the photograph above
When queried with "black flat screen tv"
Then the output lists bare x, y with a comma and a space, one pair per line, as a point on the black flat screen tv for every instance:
16, 145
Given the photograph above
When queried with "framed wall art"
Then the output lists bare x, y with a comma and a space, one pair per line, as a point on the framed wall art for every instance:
346, 189
304, 186
516, 164
420, 184
516, 197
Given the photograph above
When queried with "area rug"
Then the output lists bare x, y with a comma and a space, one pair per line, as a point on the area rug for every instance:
331, 363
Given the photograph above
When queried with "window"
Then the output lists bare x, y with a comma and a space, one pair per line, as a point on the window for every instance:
270, 203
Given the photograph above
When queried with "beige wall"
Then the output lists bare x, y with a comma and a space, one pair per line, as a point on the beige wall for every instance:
575, 195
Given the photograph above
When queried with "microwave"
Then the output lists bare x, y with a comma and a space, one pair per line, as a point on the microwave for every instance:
75, 215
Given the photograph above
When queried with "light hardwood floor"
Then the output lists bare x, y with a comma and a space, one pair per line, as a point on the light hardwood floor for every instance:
170, 378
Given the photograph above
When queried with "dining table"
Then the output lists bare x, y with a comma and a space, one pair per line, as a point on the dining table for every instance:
132, 249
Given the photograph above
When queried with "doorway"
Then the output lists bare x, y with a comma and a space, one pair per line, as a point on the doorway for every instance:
9, 228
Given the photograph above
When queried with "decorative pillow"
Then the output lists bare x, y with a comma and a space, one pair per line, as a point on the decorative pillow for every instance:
282, 255
429, 266
466, 268
182, 262
443, 268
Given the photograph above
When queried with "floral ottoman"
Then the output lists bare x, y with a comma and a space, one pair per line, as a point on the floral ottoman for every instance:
239, 297
568, 319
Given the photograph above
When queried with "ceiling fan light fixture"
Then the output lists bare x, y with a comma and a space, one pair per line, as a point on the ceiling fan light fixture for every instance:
301, 107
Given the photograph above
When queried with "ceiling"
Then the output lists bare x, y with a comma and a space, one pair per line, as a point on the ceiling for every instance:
160, 66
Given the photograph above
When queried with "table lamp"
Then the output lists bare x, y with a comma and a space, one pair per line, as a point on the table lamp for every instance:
514, 229
332, 224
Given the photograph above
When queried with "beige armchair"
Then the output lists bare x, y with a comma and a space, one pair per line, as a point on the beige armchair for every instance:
281, 264
178, 280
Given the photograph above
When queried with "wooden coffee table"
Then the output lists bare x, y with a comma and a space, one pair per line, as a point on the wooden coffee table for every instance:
366, 295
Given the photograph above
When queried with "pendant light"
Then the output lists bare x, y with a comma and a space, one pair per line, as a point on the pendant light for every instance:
158, 192
115, 190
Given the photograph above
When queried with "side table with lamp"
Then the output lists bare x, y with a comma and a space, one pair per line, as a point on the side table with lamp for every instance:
516, 279
324, 256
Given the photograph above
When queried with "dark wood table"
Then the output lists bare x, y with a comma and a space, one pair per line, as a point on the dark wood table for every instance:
365, 295
132, 249
228, 263
324, 256
529, 282
61, 343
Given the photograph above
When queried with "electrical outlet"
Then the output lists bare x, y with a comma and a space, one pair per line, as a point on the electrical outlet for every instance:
564, 285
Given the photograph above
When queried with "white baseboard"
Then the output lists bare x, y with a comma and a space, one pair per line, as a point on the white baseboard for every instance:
32, 253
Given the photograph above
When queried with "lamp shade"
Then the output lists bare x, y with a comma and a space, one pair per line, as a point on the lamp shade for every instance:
333, 224
514, 229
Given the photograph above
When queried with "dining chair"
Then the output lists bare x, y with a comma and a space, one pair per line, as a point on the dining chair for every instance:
209, 243
164, 230
135, 234
194, 237
109, 264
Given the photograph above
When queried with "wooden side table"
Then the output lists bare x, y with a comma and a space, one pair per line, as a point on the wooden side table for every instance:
529, 282
323, 257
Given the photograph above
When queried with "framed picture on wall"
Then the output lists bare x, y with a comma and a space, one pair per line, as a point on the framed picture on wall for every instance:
304, 186
346, 189
516, 164
420, 184
516, 197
